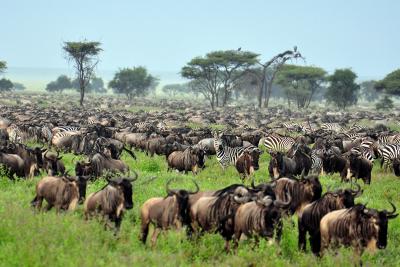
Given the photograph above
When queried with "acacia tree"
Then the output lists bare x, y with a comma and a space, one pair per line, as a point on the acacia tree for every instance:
368, 91
133, 82
62, 83
301, 83
217, 72
85, 58
390, 84
6, 85
269, 69
343, 90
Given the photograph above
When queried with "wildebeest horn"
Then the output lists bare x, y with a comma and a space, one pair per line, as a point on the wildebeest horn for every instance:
45, 155
391, 214
358, 192
132, 179
252, 183
197, 188
281, 204
57, 157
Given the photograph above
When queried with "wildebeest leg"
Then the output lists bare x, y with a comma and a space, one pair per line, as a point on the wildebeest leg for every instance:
227, 245
315, 242
279, 230
302, 237
154, 236
49, 206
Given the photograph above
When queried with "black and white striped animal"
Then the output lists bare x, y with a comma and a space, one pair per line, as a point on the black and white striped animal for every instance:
278, 143
389, 153
227, 155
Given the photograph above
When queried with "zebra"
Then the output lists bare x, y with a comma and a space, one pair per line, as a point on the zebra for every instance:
278, 143
316, 161
65, 129
365, 152
292, 126
389, 153
227, 155
335, 127
46, 134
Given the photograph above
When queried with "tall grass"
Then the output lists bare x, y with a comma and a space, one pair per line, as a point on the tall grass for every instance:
49, 239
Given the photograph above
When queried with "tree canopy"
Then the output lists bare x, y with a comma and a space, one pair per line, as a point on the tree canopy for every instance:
6, 85
217, 72
62, 83
18, 86
390, 84
84, 56
3, 66
301, 83
343, 90
133, 82
176, 88
368, 91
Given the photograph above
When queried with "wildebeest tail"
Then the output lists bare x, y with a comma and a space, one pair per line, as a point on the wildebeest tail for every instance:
130, 152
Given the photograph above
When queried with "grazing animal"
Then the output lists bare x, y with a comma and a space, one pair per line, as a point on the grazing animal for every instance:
259, 218
282, 166
312, 214
244, 165
217, 212
13, 164
52, 164
227, 155
278, 143
166, 212
185, 161
360, 168
111, 201
359, 227
301, 191
63, 192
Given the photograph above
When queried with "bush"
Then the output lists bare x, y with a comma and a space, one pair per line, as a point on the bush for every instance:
385, 103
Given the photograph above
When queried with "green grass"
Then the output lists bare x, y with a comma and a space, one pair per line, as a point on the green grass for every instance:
48, 239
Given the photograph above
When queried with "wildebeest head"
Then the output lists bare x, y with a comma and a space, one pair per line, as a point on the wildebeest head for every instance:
345, 197
272, 209
50, 163
379, 222
37, 151
277, 164
312, 187
83, 168
182, 197
125, 185
255, 155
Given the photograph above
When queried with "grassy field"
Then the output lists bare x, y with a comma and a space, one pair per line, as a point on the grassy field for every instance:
48, 239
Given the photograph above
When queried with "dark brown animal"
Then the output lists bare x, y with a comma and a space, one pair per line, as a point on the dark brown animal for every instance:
166, 212
259, 218
359, 227
184, 161
300, 191
310, 217
244, 165
61, 192
111, 201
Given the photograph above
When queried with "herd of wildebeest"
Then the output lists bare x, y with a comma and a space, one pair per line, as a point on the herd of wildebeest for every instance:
302, 147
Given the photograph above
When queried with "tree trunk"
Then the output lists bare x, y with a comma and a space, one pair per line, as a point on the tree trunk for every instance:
267, 94
82, 96
261, 91
212, 101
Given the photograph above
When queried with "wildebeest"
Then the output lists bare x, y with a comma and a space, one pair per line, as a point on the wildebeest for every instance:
244, 165
166, 212
185, 161
259, 218
100, 163
62, 192
13, 164
311, 215
52, 163
301, 191
111, 201
333, 161
359, 227
360, 167
217, 212
282, 166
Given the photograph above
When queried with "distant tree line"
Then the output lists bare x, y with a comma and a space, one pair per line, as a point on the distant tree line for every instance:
5, 84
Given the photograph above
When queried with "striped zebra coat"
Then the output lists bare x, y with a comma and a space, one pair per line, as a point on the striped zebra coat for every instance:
278, 143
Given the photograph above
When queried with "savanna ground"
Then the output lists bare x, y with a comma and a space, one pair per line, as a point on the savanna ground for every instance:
49, 239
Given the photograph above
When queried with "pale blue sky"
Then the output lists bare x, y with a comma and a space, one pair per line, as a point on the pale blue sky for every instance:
164, 35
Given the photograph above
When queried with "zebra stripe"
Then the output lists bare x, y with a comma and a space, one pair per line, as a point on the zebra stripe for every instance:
65, 129
278, 143
389, 153
227, 155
